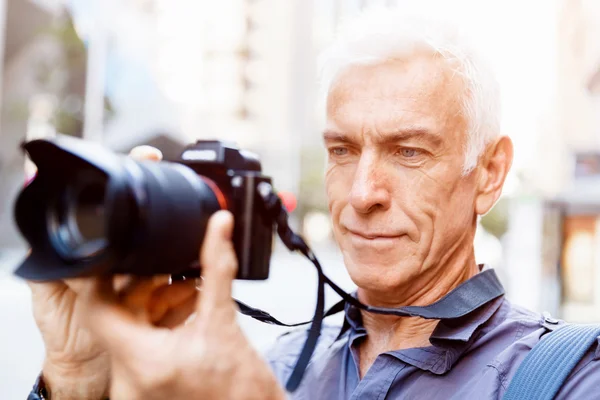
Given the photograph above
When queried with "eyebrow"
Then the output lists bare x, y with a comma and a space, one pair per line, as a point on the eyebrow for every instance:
416, 133
333, 136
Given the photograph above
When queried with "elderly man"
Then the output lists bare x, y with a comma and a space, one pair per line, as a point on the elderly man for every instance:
415, 155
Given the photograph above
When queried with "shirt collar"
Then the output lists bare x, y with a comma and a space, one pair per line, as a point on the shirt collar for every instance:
450, 339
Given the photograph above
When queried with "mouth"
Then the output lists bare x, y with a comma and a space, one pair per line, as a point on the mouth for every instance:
373, 236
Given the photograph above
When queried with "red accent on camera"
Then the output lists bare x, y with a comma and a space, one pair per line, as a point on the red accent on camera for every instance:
218, 193
289, 200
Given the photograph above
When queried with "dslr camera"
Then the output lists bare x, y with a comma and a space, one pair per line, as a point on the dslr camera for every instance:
90, 211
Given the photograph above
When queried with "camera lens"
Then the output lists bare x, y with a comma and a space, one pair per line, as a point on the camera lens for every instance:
77, 220
93, 212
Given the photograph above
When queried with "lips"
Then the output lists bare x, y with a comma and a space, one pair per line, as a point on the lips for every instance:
374, 235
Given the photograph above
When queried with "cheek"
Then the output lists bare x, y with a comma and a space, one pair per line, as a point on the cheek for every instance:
338, 183
461, 206
426, 200
445, 205
419, 191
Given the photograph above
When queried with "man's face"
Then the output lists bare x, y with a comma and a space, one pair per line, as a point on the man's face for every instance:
400, 204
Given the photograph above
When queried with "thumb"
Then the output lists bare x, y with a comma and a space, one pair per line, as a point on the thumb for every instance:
218, 262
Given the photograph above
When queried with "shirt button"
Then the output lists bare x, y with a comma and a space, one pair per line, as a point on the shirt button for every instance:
548, 318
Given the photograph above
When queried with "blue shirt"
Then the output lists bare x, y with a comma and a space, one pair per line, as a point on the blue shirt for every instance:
473, 357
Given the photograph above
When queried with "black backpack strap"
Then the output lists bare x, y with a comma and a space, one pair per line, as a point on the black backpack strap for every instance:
547, 366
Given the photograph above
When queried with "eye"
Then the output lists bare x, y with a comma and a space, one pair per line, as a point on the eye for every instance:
338, 151
408, 152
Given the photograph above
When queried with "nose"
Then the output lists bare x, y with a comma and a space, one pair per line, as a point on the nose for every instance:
369, 189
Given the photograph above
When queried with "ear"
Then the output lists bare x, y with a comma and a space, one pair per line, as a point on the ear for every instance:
494, 168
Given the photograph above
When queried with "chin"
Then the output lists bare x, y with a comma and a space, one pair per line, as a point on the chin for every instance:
380, 274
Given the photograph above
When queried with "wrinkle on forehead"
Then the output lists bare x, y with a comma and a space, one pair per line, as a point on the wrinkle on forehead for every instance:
423, 89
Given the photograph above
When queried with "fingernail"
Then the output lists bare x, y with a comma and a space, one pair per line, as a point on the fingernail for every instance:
224, 222
145, 152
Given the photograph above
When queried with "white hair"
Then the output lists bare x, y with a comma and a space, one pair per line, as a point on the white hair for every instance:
382, 34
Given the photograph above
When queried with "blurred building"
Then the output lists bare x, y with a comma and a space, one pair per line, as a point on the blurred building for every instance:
555, 256
29, 81
579, 200
235, 70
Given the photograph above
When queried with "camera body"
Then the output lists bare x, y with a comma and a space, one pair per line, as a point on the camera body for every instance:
90, 211
237, 174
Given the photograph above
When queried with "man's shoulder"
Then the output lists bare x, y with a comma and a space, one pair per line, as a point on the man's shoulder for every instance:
527, 329
513, 323
522, 315
516, 329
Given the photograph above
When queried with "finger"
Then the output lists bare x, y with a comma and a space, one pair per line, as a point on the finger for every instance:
146, 153
81, 286
125, 283
44, 295
108, 320
176, 317
169, 298
120, 282
137, 292
218, 261
46, 288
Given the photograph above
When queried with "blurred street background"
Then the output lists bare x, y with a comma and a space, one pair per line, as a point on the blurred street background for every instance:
169, 72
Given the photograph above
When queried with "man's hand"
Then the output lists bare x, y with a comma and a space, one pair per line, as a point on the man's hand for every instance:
207, 358
77, 366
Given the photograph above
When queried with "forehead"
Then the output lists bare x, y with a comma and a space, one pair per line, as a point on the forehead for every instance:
422, 90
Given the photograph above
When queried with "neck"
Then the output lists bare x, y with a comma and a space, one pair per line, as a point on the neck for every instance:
388, 332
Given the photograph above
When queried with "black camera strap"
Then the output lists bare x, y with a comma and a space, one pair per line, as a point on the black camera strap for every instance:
481, 289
